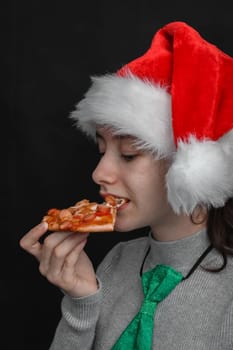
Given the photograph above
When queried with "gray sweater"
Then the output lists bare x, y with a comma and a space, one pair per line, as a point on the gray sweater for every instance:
197, 315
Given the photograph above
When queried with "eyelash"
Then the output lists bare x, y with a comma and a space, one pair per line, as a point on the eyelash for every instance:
126, 157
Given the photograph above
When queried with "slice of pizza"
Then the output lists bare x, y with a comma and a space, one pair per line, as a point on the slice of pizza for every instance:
85, 216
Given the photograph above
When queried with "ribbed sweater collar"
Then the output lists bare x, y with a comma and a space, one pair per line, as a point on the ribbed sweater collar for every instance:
180, 254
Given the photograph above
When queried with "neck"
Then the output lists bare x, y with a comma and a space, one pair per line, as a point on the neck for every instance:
179, 226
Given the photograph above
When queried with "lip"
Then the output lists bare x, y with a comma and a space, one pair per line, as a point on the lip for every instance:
123, 206
105, 194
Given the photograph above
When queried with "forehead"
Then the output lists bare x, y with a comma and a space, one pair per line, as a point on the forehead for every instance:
108, 132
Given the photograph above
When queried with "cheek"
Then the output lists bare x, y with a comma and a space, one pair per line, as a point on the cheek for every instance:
152, 189
146, 179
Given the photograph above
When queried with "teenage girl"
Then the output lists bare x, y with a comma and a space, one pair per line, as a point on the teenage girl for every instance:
164, 128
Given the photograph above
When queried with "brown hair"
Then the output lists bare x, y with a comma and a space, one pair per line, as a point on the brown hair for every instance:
220, 231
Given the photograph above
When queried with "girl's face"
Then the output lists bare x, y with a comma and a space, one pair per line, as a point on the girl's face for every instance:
125, 171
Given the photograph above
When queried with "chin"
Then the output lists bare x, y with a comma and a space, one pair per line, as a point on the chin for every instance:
124, 226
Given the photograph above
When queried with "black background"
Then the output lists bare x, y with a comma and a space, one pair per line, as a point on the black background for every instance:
50, 50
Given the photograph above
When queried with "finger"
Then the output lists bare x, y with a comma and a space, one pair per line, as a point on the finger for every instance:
55, 249
30, 242
68, 272
63, 250
49, 245
72, 257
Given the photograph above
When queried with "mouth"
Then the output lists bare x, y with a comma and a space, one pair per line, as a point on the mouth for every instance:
121, 202
114, 201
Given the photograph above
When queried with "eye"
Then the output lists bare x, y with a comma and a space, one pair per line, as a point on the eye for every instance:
128, 157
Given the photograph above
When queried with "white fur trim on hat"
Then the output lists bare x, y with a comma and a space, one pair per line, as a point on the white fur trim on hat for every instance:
130, 106
201, 174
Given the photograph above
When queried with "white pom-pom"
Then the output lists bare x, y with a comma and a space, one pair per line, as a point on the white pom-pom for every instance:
201, 174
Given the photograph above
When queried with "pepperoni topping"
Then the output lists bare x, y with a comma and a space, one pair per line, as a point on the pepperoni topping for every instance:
84, 216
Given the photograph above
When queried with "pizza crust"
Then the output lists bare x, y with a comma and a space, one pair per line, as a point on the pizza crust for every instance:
108, 227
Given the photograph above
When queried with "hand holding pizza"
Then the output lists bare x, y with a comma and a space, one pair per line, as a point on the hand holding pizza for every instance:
62, 259
61, 256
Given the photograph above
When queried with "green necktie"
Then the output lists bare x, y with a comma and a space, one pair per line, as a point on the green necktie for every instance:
157, 284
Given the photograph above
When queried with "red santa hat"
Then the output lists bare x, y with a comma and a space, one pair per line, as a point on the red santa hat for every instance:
177, 99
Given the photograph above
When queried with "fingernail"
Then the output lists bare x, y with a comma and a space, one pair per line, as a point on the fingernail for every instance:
43, 225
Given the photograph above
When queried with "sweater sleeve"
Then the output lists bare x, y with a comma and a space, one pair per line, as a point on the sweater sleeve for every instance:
76, 329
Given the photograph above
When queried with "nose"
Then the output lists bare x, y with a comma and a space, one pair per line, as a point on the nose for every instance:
105, 171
